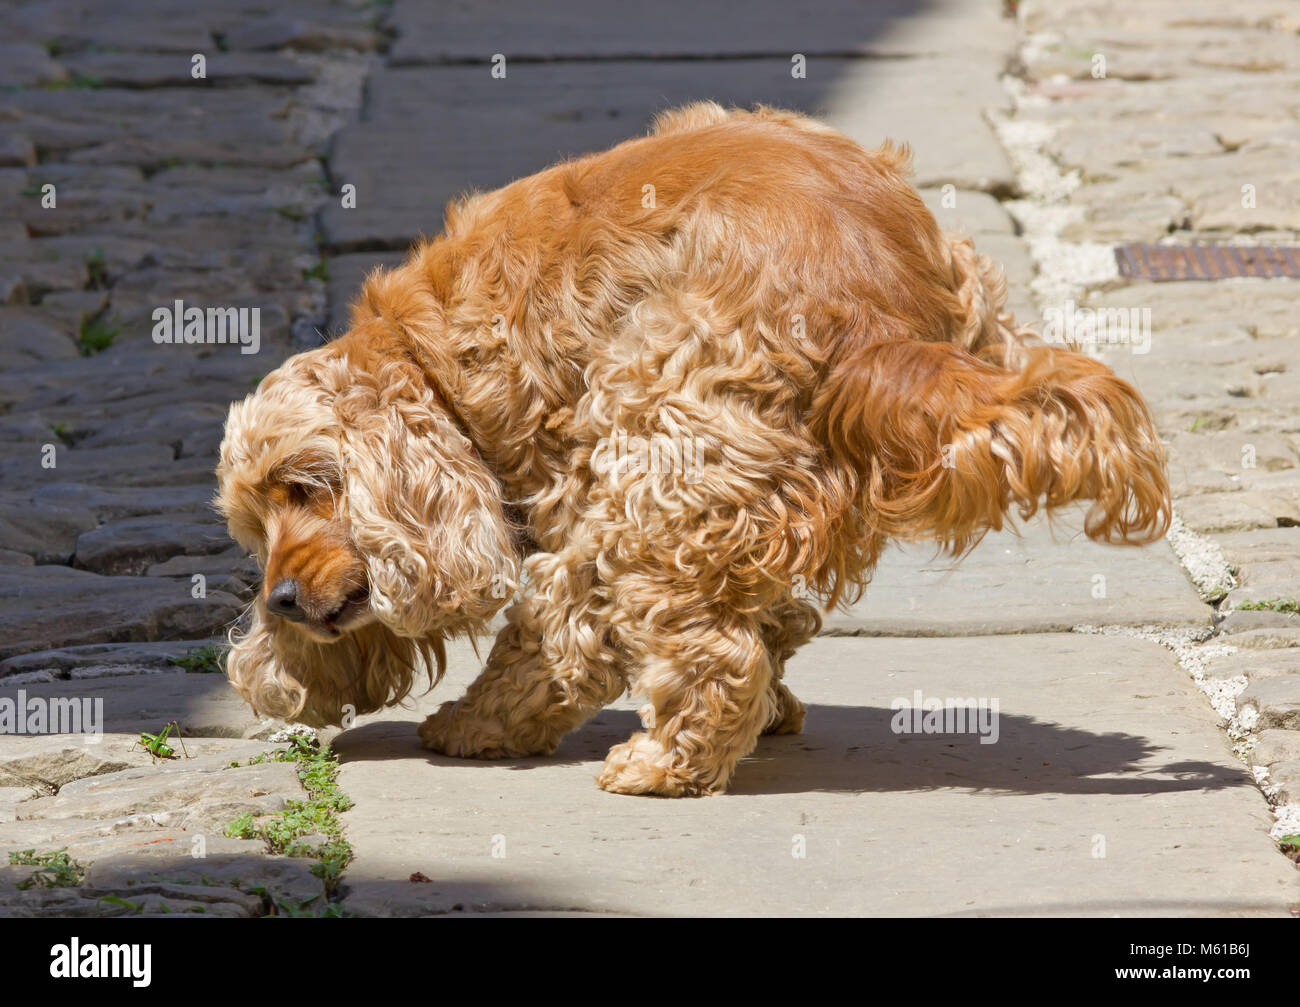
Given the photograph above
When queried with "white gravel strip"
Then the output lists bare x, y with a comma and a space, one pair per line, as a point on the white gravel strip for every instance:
1065, 269
1202, 559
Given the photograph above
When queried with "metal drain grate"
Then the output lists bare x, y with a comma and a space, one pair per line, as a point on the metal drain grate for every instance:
1206, 261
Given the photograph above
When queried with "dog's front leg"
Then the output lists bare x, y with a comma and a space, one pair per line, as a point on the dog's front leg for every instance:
705, 671
550, 669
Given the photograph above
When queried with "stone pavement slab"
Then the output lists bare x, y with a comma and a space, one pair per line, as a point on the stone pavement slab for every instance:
204, 704
1110, 791
951, 143
584, 107
1046, 579
585, 29
50, 606
484, 133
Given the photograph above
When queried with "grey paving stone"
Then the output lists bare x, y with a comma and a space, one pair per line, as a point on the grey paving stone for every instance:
1276, 746
108, 503
1260, 306
1256, 664
40, 276
25, 63
872, 101
1036, 583
71, 464
173, 426
1267, 637
588, 107
167, 188
1276, 702
103, 658
47, 534
132, 545
200, 798
17, 151
312, 33
1235, 105
46, 762
1012, 256
234, 562
136, 69
205, 705
347, 273
68, 307
287, 879
730, 28
64, 607
1286, 777
1243, 511
963, 211
1098, 152
1169, 50
148, 127
148, 25
1273, 628
1267, 562
1233, 453
1104, 744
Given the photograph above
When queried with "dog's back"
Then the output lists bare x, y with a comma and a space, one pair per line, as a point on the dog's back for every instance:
778, 214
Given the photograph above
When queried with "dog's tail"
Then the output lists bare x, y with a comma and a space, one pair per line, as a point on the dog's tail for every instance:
942, 444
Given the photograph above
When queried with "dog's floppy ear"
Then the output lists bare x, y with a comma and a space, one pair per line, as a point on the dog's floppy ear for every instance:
283, 674
424, 510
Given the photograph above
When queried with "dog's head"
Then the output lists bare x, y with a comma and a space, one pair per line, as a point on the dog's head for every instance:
378, 528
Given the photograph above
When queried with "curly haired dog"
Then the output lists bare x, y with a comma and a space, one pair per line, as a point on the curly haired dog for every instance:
673, 390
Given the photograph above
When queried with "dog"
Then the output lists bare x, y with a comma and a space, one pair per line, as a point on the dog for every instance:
659, 401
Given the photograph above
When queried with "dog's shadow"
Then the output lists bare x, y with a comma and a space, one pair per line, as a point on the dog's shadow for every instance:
851, 749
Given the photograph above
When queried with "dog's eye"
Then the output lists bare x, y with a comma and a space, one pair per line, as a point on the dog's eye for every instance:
301, 493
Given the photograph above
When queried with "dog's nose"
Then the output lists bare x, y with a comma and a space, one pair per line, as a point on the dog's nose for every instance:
283, 600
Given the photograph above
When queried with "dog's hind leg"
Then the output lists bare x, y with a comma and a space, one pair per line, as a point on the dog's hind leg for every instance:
793, 624
550, 669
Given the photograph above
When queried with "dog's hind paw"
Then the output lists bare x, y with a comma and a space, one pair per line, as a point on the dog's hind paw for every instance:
789, 715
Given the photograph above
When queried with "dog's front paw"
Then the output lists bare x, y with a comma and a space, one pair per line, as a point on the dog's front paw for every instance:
641, 766
456, 731
451, 732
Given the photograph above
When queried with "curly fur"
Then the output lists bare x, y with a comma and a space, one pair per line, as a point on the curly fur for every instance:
752, 299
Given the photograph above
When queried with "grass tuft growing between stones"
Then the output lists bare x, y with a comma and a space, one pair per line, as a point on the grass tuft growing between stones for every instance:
1286, 605
81, 81
53, 870
95, 335
320, 271
209, 660
96, 270
309, 828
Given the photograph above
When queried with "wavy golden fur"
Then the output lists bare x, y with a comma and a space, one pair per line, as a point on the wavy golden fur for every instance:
666, 388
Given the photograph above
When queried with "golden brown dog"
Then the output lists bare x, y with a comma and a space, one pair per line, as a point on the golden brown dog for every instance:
673, 390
